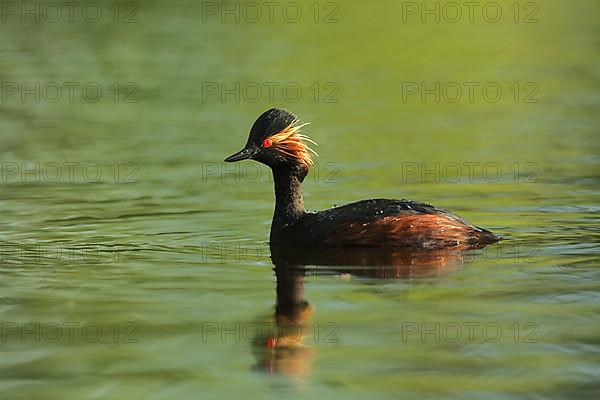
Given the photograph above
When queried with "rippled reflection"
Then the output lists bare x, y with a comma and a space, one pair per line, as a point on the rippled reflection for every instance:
285, 350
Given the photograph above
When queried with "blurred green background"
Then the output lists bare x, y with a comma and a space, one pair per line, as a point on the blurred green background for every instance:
117, 207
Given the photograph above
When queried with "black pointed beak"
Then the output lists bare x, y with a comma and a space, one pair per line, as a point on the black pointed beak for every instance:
243, 154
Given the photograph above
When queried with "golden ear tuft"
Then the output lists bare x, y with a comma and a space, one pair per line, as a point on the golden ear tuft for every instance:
292, 143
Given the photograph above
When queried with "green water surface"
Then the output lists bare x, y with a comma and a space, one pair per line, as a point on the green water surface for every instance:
120, 220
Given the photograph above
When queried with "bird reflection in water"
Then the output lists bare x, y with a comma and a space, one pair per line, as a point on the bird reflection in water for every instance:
286, 349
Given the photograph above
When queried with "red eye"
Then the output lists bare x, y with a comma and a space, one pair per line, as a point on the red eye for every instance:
267, 143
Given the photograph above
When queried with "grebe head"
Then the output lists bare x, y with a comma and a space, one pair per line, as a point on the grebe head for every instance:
275, 140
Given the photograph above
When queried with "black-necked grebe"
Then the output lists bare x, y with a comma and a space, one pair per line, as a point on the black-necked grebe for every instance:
275, 140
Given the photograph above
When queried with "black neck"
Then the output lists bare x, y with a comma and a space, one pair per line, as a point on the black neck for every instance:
289, 206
